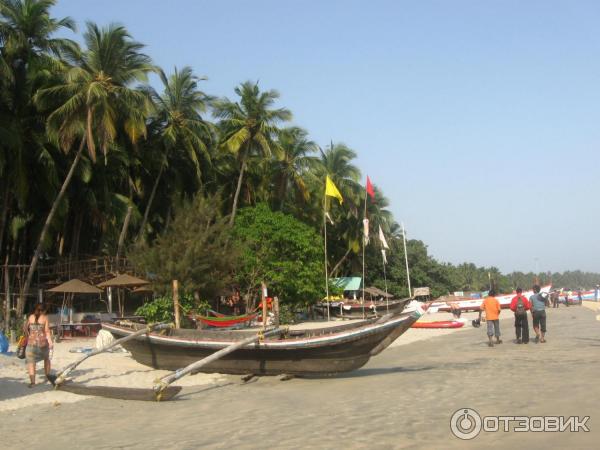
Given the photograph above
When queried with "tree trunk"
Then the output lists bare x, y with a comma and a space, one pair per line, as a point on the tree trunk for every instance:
149, 205
51, 214
238, 189
123, 234
282, 192
5, 206
339, 263
77, 234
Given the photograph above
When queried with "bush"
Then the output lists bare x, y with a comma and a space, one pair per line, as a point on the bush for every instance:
161, 308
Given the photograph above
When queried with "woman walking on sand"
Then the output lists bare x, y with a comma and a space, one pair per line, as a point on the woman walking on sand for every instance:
39, 342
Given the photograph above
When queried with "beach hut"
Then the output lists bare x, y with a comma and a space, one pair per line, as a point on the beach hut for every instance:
376, 293
350, 286
120, 282
69, 289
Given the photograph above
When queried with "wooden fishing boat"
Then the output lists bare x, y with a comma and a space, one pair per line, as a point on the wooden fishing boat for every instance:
322, 351
354, 309
474, 304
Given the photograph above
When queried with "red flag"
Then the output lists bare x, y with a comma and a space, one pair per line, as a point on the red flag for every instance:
370, 189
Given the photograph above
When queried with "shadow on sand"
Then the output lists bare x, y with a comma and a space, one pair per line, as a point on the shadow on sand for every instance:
202, 390
371, 371
18, 387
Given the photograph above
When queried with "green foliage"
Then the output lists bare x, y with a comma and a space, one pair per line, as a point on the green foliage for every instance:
281, 251
161, 308
194, 250
158, 148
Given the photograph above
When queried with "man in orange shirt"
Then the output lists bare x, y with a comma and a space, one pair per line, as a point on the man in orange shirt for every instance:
491, 307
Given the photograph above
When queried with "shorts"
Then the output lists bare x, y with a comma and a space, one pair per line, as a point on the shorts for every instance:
539, 320
493, 328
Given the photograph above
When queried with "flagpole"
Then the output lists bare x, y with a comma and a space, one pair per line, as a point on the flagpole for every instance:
325, 238
387, 299
406, 260
363, 257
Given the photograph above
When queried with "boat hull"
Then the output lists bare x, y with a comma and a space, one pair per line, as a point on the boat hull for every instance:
440, 324
353, 310
475, 304
338, 352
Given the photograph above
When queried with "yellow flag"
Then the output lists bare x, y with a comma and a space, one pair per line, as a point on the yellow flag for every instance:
331, 190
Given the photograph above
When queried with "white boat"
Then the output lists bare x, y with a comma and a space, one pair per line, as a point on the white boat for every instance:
474, 304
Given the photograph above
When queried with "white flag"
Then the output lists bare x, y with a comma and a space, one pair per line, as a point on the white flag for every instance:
365, 231
384, 257
382, 239
329, 218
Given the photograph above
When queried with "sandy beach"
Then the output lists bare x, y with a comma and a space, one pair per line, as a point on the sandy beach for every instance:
403, 398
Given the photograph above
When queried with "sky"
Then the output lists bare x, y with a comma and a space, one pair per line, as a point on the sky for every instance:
479, 120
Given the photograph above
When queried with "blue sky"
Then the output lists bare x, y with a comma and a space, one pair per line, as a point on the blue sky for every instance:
478, 119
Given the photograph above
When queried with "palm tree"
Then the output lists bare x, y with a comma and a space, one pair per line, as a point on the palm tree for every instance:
336, 161
248, 127
293, 162
96, 100
179, 125
28, 51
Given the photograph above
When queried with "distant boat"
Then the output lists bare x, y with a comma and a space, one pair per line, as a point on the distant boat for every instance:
322, 351
439, 324
474, 304
354, 309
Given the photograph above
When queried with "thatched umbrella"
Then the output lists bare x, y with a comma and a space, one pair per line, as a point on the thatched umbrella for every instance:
123, 281
74, 286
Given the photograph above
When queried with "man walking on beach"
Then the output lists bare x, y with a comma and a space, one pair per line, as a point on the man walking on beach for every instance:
520, 305
538, 314
491, 307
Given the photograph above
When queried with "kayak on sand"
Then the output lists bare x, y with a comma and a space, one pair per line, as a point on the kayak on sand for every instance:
438, 324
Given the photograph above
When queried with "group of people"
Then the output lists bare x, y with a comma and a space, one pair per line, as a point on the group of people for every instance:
519, 305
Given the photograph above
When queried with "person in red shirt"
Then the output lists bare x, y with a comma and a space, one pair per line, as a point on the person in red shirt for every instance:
520, 305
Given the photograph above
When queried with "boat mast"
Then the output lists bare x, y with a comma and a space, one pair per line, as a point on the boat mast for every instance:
387, 299
325, 239
365, 237
406, 260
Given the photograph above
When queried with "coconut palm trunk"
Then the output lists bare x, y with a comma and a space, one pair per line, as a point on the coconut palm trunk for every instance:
51, 214
150, 201
238, 189
339, 263
5, 207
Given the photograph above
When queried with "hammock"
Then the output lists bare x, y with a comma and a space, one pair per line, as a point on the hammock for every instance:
225, 321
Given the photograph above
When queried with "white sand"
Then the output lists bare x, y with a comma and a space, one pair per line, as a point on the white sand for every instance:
106, 369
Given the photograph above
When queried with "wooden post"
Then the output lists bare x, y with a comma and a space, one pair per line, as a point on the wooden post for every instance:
263, 299
276, 310
7, 290
176, 302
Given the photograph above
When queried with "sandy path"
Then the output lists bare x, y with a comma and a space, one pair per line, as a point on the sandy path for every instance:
403, 398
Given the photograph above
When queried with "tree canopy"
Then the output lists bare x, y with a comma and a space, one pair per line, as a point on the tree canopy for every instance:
86, 144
